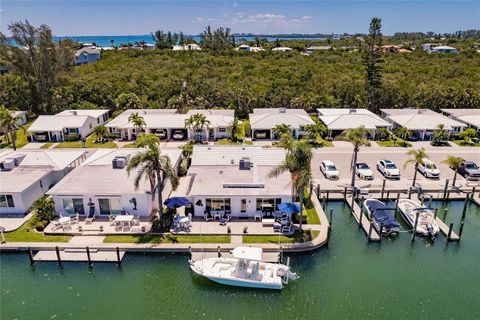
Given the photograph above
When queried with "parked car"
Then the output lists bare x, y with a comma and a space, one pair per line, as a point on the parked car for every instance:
388, 169
469, 170
428, 169
329, 169
363, 171
178, 135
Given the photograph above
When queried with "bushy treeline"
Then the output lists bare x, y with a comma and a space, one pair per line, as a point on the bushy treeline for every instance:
244, 81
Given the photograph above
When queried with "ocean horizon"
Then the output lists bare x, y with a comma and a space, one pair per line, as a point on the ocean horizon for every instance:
105, 41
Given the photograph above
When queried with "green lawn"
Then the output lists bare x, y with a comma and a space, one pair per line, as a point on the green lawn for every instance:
296, 237
22, 235
21, 138
153, 238
47, 145
310, 211
130, 145
391, 143
463, 144
228, 142
90, 143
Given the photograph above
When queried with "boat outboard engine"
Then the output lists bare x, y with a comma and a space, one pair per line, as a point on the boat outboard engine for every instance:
430, 230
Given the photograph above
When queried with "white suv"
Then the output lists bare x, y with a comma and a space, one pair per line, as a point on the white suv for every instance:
388, 169
329, 170
428, 169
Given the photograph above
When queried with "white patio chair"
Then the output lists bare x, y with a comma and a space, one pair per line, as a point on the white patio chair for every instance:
207, 216
287, 228
277, 227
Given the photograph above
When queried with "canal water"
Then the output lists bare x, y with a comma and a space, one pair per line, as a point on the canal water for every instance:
395, 279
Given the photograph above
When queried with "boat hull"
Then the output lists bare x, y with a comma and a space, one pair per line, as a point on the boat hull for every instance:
246, 284
410, 220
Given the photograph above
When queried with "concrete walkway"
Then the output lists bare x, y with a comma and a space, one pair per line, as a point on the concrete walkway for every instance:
33, 145
13, 223
90, 240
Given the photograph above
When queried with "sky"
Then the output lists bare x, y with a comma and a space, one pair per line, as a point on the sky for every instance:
131, 17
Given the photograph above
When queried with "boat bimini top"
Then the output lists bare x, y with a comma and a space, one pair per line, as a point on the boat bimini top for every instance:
247, 253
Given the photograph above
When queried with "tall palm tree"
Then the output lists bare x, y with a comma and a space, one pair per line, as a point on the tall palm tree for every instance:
298, 163
197, 122
316, 130
403, 133
234, 129
157, 168
358, 137
455, 163
137, 121
145, 140
417, 158
280, 129
10, 125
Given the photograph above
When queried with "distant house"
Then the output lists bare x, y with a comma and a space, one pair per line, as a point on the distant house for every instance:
56, 127
471, 117
390, 48
422, 122
26, 175
86, 55
187, 47
235, 180
282, 49
102, 185
167, 124
319, 48
262, 122
247, 48
337, 120
438, 48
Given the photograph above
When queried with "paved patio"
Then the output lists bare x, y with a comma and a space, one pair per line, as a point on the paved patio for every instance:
94, 228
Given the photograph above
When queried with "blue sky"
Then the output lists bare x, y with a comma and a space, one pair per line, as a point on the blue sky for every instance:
111, 17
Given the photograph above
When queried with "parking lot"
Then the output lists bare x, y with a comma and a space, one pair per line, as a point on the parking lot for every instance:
371, 155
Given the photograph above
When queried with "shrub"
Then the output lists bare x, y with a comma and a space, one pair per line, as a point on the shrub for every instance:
44, 209
40, 225
182, 171
72, 137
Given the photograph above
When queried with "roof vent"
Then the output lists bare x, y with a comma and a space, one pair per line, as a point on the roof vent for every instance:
7, 164
245, 164
120, 161
74, 113
282, 110
352, 110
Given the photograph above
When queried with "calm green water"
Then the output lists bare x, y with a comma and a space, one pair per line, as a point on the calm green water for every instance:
350, 280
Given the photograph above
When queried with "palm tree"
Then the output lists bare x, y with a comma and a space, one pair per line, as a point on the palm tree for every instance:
417, 158
403, 133
9, 123
298, 163
137, 121
316, 130
197, 122
101, 132
157, 168
358, 137
455, 163
144, 141
280, 129
234, 129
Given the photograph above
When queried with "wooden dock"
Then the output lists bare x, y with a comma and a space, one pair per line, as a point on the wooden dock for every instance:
266, 256
444, 229
365, 222
78, 255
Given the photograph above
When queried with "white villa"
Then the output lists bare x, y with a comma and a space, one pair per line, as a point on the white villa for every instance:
167, 124
235, 179
26, 175
422, 122
21, 117
57, 127
282, 49
338, 120
101, 185
187, 47
262, 121
247, 48
86, 55
471, 117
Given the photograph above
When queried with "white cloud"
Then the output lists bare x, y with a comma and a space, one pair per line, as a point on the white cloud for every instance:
254, 19
199, 20
306, 17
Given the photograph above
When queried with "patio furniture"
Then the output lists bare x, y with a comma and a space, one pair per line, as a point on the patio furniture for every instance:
111, 218
75, 218
118, 227
277, 227
126, 228
217, 215
207, 216
257, 216
225, 219
268, 222
91, 215
287, 228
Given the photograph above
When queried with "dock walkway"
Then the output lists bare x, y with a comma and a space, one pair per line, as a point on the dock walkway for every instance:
78, 255
365, 222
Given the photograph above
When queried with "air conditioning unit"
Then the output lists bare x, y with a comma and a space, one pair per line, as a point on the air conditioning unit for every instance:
245, 164
282, 110
8, 164
120, 161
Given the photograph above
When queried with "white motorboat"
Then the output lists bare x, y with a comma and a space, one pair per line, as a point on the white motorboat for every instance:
426, 224
244, 269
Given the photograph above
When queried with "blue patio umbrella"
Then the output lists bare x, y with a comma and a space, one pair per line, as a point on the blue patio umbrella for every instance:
289, 207
176, 202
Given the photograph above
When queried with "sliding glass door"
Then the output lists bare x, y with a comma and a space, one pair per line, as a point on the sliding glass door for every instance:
110, 206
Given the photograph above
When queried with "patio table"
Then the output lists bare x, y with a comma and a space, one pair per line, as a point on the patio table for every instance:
64, 220
124, 218
217, 214
268, 221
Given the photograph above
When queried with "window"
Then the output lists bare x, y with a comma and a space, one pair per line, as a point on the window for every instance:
90, 125
302, 128
110, 206
217, 204
73, 205
223, 130
269, 204
72, 130
6, 201
41, 184
98, 120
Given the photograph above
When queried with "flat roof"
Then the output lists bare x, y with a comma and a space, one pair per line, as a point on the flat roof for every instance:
421, 121
97, 176
468, 116
231, 155
392, 112
83, 112
346, 121
208, 112
56, 159
21, 178
57, 123
269, 118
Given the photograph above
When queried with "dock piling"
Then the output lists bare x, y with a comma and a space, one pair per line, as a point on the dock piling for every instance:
465, 204
119, 261
414, 231
30, 256
450, 228
361, 213
435, 213
396, 204
57, 250
410, 192
383, 188
445, 214
89, 258
3, 235
324, 202
328, 195
388, 196
380, 232
219, 254
331, 216
369, 238
445, 189
430, 201
353, 201
345, 193
189, 253
461, 230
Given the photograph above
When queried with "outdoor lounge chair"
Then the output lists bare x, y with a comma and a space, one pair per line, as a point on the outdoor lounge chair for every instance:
277, 227
207, 216
287, 228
